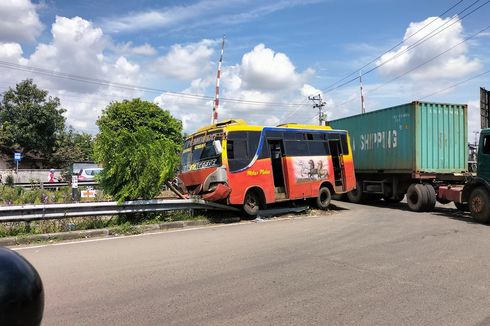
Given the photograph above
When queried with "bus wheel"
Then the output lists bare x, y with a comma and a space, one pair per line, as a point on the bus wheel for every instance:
324, 198
251, 204
417, 197
431, 196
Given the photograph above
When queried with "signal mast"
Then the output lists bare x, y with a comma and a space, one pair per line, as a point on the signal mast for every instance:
214, 117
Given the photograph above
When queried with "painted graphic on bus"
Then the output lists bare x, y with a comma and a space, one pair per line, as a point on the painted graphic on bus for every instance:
308, 168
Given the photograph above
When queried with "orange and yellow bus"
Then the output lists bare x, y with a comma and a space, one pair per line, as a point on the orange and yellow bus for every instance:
239, 164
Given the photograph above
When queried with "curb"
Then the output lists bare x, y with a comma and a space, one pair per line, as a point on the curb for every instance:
107, 232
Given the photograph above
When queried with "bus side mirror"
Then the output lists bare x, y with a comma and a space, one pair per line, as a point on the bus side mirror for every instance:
217, 146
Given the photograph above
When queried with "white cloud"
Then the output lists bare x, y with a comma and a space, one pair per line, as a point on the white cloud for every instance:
201, 13
77, 48
264, 69
19, 21
263, 76
194, 112
142, 50
187, 62
452, 65
11, 52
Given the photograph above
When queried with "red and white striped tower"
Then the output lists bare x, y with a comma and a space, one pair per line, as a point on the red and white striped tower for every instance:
214, 118
363, 109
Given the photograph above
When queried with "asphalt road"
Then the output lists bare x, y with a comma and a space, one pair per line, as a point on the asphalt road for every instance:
362, 266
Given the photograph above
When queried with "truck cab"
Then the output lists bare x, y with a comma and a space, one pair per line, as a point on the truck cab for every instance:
476, 191
483, 160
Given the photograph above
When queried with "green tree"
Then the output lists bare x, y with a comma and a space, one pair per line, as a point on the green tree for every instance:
72, 146
30, 120
139, 145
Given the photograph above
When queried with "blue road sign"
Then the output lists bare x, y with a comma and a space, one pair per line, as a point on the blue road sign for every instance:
17, 157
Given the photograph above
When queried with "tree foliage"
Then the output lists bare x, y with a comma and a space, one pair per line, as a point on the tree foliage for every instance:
139, 145
30, 120
71, 147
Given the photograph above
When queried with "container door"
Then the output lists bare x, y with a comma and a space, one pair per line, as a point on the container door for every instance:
338, 164
276, 150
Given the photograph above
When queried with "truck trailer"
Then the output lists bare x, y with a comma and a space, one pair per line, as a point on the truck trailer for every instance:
414, 149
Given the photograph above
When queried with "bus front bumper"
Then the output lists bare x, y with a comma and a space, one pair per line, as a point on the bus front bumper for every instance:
221, 192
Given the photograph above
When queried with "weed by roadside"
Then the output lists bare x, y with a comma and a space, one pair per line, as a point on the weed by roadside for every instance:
122, 224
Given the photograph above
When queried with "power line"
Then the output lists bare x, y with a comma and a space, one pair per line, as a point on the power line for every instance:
392, 48
454, 85
395, 46
412, 46
436, 92
429, 36
96, 81
428, 61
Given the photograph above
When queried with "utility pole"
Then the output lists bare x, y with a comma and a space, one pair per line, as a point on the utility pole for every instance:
318, 103
363, 109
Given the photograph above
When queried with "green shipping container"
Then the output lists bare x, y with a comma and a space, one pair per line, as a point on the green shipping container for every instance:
415, 137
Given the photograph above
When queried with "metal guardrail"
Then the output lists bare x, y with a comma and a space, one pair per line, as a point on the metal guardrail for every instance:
46, 185
27, 213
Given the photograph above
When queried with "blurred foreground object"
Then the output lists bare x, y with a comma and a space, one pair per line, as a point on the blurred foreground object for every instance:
21, 291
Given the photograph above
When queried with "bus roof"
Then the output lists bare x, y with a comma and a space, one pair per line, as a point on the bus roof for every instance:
237, 124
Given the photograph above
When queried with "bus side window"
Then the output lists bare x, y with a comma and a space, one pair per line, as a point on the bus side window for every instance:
296, 148
343, 140
237, 151
253, 142
318, 148
229, 149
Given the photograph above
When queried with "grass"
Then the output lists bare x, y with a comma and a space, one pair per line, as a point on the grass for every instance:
19, 196
122, 224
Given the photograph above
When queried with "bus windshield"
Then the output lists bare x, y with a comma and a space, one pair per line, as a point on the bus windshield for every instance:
200, 152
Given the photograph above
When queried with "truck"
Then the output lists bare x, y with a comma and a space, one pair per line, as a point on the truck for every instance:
418, 149
474, 195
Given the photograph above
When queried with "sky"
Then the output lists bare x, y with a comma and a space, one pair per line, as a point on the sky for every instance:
277, 53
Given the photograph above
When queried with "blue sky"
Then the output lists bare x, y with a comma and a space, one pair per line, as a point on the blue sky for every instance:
276, 52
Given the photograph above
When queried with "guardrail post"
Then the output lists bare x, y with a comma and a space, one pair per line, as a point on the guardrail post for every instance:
28, 226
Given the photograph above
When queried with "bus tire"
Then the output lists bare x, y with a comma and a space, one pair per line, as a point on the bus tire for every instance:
324, 198
479, 204
251, 203
356, 196
417, 197
431, 197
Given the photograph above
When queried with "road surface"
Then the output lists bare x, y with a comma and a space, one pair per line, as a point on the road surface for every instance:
363, 265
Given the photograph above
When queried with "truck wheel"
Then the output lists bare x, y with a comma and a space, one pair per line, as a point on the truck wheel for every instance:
356, 196
323, 199
417, 197
431, 196
251, 203
479, 203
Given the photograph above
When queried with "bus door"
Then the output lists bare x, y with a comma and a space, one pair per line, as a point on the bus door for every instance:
337, 162
276, 148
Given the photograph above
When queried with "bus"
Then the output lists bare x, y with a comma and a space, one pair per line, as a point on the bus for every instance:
250, 166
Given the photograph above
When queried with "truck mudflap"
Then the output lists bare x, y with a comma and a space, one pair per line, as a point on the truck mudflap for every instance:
451, 193
222, 191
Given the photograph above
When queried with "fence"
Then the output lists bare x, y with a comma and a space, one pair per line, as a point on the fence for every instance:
26, 176
28, 213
